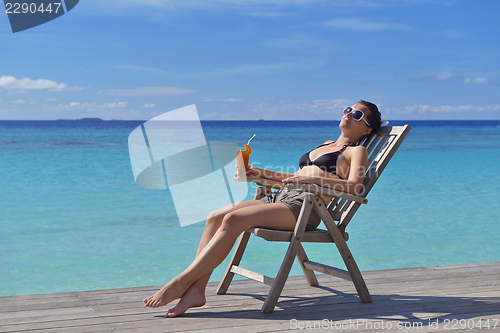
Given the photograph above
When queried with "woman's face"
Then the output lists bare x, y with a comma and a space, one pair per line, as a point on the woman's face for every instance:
354, 127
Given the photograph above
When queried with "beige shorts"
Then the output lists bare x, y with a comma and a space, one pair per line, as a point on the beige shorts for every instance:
293, 199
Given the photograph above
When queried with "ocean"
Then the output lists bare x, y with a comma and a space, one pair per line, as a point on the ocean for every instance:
72, 217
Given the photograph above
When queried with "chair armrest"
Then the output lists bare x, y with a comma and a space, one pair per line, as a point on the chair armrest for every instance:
313, 188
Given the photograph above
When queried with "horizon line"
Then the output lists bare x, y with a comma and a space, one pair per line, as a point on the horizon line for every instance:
91, 120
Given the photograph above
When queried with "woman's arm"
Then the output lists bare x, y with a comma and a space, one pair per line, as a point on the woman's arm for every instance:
353, 184
254, 171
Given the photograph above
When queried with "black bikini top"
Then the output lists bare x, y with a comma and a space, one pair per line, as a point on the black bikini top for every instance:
326, 162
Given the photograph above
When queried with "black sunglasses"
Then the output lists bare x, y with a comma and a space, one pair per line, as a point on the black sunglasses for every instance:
355, 114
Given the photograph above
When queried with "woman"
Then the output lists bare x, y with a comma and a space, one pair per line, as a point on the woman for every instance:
337, 164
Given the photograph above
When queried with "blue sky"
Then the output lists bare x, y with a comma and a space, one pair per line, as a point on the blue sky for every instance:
271, 59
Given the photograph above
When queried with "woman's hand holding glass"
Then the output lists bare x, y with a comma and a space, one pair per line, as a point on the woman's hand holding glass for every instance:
250, 171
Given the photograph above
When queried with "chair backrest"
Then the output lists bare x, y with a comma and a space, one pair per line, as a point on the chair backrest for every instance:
381, 147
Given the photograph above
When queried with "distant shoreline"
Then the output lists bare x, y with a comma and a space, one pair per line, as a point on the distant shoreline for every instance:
82, 119
255, 120
258, 122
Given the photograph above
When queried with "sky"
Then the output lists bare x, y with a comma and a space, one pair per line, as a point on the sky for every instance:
253, 59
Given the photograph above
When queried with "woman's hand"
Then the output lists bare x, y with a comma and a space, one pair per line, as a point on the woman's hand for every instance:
298, 179
250, 171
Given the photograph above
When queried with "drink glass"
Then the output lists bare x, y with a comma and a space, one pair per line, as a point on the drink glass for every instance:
242, 157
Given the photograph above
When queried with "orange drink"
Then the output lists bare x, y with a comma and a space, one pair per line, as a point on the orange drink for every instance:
242, 157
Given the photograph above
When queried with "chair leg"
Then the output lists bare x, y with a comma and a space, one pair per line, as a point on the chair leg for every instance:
235, 261
308, 273
279, 281
240, 249
352, 267
350, 263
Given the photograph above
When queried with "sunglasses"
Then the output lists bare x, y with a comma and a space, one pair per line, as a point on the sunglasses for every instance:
355, 114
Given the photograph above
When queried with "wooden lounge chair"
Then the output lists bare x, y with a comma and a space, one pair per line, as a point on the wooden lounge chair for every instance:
381, 147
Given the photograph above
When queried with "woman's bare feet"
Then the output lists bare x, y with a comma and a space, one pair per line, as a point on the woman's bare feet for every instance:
192, 298
165, 295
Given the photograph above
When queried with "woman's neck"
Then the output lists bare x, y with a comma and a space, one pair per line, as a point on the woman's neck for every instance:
346, 140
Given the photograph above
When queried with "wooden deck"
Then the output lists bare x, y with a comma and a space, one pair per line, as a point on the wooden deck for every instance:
417, 297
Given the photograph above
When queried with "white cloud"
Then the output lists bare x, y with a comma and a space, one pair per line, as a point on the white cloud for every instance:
331, 103
142, 69
251, 69
148, 91
173, 4
363, 25
252, 4
149, 105
426, 109
440, 76
11, 83
318, 109
453, 34
443, 76
451, 75
231, 100
51, 99
157, 91
18, 101
476, 80
306, 42
89, 106
115, 105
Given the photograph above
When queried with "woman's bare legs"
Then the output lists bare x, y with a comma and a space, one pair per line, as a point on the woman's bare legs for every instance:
195, 295
274, 216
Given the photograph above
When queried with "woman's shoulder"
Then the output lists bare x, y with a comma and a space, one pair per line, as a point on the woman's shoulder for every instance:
357, 149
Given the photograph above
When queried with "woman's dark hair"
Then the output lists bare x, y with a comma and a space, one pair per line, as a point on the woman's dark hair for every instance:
374, 118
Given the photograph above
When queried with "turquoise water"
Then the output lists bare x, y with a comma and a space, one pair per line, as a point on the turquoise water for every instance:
73, 219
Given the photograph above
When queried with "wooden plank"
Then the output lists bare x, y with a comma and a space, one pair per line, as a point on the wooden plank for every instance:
379, 149
408, 274
373, 143
383, 159
401, 295
333, 271
252, 275
313, 236
342, 307
452, 273
377, 301
338, 311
